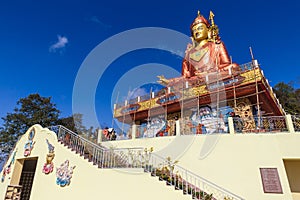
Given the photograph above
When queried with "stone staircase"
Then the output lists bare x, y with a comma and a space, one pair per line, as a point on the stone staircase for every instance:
161, 168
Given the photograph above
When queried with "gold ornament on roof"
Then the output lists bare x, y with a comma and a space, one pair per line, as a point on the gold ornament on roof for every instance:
162, 80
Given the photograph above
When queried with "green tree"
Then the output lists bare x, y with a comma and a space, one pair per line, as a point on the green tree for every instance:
31, 110
73, 123
297, 92
288, 97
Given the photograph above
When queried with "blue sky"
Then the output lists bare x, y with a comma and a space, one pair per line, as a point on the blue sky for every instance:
44, 43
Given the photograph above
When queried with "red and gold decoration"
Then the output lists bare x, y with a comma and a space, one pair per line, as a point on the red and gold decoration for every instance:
209, 78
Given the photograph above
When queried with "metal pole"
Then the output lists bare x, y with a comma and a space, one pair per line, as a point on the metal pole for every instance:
256, 88
115, 107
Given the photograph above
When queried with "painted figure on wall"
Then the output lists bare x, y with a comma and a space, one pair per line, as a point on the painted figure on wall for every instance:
7, 169
208, 121
48, 166
29, 143
207, 53
64, 174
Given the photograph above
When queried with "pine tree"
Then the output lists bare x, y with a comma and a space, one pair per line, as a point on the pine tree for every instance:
31, 110
73, 123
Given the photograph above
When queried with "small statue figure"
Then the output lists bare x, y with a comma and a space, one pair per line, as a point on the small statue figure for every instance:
28, 147
7, 169
207, 53
48, 166
64, 174
29, 144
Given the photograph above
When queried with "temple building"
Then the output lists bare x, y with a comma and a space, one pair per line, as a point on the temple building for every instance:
217, 132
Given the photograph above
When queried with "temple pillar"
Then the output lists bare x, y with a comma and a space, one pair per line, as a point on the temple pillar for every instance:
133, 133
230, 125
99, 138
177, 130
289, 123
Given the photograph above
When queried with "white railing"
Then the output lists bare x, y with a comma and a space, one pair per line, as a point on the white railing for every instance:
99, 155
216, 125
165, 169
187, 181
151, 130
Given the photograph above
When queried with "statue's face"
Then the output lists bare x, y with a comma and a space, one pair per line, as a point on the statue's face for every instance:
200, 32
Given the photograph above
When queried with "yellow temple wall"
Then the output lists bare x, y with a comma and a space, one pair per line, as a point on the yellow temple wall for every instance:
234, 163
88, 182
231, 161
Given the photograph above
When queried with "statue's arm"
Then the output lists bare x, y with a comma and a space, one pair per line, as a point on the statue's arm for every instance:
224, 58
185, 72
225, 61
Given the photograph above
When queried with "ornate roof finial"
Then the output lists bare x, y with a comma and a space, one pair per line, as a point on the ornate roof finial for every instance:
211, 18
199, 13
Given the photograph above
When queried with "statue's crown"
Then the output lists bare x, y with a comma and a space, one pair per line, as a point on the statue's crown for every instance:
200, 19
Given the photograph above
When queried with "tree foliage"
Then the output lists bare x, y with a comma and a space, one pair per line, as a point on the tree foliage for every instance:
289, 97
73, 123
31, 110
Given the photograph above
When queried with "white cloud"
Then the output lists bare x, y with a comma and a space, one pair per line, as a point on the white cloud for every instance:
96, 20
62, 41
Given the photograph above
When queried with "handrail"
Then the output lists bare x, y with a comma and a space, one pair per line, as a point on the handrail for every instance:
99, 155
138, 157
193, 183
